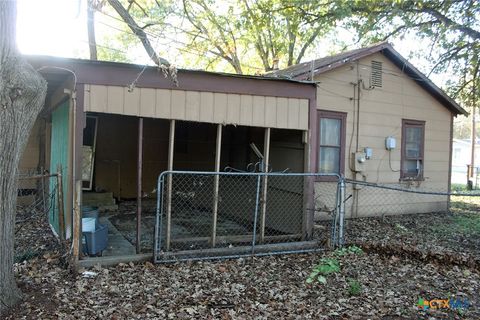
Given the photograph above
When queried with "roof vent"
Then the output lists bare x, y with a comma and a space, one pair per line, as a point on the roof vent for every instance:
376, 76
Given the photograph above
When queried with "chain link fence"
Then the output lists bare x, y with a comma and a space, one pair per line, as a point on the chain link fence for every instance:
205, 215
419, 217
36, 197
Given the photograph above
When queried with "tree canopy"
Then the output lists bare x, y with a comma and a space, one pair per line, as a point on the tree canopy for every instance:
245, 35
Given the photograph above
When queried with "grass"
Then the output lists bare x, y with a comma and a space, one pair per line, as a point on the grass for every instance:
465, 219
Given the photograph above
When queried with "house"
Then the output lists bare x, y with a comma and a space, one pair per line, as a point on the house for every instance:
366, 114
461, 158
114, 127
378, 119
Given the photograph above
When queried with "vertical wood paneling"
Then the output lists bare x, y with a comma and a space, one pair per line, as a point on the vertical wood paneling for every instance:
303, 116
293, 113
132, 101
147, 102
192, 106
233, 108
246, 109
282, 113
271, 112
220, 107
115, 99
206, 106
86, 98
98, 98
163, 103
178, 104
258, 118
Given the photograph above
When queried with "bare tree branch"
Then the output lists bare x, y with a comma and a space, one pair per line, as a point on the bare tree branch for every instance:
138, 32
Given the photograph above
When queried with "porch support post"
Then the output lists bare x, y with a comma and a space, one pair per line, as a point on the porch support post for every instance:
218, 151
171, 144
139, 182
266, 165
308, 191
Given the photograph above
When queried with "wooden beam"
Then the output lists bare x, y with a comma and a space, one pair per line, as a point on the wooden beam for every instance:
308, 189
60, 203
139, 183
171, 145
218, 151
77, 225
266, 166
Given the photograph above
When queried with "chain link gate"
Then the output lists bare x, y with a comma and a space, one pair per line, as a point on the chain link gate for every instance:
208, 215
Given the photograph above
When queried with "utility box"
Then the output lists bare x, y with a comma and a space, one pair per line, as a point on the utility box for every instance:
359, 161
95, 242
390, 143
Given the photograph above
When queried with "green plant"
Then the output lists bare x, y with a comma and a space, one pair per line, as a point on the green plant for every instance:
348, 250
400, 228
354, 287
324, 268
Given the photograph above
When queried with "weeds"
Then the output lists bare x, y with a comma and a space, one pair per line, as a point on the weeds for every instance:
354, 287
331, 265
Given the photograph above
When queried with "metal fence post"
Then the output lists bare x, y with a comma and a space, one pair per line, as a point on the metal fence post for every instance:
255, 218
159, 217
341, 213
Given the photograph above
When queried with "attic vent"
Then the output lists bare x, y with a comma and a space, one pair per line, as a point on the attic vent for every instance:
376, 76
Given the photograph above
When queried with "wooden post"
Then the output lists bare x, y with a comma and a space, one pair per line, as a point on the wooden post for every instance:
171, 145
60, 204
77, 225
266, 165
139, 183
218, 151
308, 190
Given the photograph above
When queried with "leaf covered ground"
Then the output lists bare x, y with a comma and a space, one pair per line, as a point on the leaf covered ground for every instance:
368, 284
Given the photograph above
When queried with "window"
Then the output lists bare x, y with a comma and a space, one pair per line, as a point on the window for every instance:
331, 142
413, 137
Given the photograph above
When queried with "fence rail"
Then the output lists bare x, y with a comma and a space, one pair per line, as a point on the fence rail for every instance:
205, 215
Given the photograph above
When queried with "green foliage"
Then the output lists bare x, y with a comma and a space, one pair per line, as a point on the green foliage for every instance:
348, 250
448, 29
245, 35
459, 187
354, 287
324, 268
328, 266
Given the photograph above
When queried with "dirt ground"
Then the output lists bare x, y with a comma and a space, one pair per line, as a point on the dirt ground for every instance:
399, 265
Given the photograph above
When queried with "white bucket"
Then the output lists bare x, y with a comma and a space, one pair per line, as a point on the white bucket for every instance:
89, 224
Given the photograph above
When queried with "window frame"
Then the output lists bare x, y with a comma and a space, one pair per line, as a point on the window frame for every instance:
406, 123
342, 116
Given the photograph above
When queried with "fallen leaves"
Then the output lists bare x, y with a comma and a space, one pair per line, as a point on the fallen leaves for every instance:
389, 284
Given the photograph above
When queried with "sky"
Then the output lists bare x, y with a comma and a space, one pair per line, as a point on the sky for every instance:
58, 28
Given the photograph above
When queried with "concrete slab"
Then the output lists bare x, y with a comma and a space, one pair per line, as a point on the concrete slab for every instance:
117, 244
114, 260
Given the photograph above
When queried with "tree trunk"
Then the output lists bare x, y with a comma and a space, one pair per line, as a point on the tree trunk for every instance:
92, 42
22, 94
